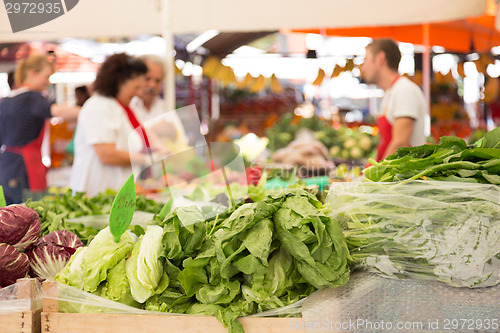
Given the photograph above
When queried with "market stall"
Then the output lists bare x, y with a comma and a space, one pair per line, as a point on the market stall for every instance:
197, 252
425, 215
167, 17
477, 33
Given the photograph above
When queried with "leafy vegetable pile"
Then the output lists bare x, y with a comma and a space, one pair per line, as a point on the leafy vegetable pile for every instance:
21, 248
344, 143
450, 160
54, 211
264, 255
351, 144
444, 231
51, 253
400, 222
19, 228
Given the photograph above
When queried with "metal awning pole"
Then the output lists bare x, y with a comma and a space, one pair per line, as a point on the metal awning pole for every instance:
168, 36
426, 66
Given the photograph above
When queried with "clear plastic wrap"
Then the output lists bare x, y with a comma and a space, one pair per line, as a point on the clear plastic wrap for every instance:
444, 231
24, 295
370, 303
74, 300
99, 222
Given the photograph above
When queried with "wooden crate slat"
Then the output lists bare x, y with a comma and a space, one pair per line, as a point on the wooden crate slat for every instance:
23, 321
27, 290
20, 322
117, 323
11, 322
56, 322
50, 303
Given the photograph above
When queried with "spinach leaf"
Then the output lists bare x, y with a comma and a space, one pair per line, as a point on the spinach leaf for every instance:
490, 139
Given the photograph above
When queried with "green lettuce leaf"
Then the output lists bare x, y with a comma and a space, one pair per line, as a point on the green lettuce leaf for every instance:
90, 267
117, 287
145, 266
72, 274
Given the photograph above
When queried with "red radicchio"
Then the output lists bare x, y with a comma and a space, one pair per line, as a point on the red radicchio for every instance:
19, 226
13, 265
51, 253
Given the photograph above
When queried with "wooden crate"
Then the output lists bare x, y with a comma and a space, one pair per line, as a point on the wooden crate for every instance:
25, 321
54, 321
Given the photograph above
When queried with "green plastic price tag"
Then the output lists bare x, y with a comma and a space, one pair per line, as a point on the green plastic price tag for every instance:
2, 198
122, 209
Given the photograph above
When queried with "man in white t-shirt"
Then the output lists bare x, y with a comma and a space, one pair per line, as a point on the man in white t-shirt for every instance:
148, 106
404, 110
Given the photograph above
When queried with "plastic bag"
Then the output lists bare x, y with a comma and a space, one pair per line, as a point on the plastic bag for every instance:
444, 231
24, 295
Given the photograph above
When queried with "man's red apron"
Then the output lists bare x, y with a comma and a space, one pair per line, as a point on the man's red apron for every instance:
385, 135
32, 156
384, 128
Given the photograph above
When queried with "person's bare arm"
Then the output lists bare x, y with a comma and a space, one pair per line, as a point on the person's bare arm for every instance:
108, 154
66, 112
401, 134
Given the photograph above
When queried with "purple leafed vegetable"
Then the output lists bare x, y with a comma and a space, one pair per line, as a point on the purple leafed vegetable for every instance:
19, 226
13, 265
50, 253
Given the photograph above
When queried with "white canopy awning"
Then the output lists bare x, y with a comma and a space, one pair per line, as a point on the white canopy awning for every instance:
231, 15
120, 18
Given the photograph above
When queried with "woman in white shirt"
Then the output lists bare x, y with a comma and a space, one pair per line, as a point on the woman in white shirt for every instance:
106, 143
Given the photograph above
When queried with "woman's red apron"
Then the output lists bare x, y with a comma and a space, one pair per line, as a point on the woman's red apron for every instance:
32, 156
384, 128
136, 125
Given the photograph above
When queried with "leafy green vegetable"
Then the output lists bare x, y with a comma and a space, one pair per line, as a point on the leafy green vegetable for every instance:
442, 231
145, 266
255, 259
56, 210
166, 209
89, 267
72, 274
451, 159
117, 287
259, 256
490, 139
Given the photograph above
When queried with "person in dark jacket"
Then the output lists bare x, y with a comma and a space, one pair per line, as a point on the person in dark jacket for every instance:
22, 122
